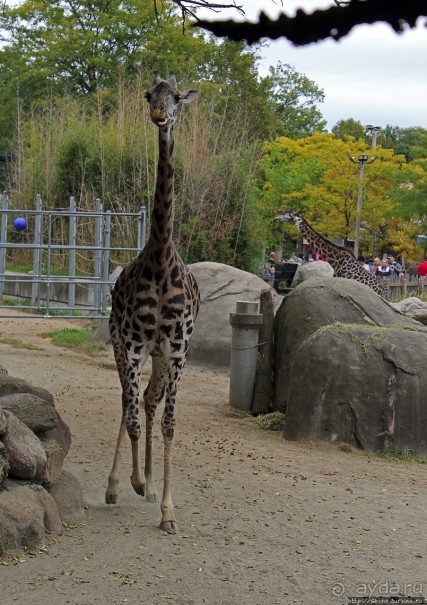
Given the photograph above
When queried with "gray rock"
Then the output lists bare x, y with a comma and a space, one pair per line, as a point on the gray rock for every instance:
3, 370
61, 434
317, 268
350, 368
27, 512
25, 453
221, 287
4, 465
410, 304
10, 385
3, 422
38, 414
68, 496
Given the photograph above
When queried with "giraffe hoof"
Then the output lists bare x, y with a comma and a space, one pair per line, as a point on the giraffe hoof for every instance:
139, 489
110, 498
170, 527
152, 497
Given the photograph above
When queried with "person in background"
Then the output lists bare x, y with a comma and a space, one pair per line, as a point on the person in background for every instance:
395, 267
375, 265
384, 269
362, 262
271, 263
422, 268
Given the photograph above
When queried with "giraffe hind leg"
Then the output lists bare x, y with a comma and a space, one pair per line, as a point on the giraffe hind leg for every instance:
152, 396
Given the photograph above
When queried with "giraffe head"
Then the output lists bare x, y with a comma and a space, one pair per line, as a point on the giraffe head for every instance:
164, 97
290, 217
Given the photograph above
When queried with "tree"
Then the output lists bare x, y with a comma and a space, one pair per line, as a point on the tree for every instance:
344, 129
314, 175
294, 98
334, 22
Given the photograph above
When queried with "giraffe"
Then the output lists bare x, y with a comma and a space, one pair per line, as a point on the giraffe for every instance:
155, 302
342, 261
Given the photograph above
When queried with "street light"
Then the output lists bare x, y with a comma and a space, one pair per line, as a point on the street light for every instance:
373, 130
361, 160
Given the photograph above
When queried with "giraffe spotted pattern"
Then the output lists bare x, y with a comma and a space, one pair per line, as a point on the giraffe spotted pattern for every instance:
342, 261
155, 302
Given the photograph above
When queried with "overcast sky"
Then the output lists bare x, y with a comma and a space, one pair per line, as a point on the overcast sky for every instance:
373, 75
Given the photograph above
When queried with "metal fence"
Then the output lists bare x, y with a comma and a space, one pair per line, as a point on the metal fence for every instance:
67, 295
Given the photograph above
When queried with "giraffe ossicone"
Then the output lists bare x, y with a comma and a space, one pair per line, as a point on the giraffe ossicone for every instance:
342, 260
155, 302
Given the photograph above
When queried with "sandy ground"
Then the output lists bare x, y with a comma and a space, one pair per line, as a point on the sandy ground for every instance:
261, 521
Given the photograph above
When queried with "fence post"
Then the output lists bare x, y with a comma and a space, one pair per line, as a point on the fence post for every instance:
35, 286
72, 255
98, 255
106, 262
245, 323
3, 240
142, 226
404, 287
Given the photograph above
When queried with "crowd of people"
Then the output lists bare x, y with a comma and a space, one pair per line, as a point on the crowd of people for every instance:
388, 266
385, 267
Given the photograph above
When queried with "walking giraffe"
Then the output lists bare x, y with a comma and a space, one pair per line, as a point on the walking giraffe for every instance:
342, 261
154, 304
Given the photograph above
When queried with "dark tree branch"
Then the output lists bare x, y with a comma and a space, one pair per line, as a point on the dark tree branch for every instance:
334, 22
188, 7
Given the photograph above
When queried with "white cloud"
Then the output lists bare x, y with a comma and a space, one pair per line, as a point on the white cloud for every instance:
372, 75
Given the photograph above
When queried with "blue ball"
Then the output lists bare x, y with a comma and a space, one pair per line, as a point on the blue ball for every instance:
20, 224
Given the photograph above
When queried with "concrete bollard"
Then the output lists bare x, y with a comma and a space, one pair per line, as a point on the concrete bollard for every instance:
245, 323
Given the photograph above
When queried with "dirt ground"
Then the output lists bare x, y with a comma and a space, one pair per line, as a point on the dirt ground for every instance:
261, 521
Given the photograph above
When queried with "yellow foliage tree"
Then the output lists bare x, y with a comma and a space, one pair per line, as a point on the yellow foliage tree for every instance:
315, 175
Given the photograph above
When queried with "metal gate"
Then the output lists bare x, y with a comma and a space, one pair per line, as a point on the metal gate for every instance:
69, 295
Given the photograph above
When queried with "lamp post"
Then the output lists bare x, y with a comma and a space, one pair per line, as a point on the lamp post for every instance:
373, 130
361, 160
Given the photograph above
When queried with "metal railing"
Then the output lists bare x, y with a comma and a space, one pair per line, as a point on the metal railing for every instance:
44, 290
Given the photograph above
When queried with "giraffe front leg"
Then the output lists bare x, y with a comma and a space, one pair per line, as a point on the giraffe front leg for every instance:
152, 396
168, 522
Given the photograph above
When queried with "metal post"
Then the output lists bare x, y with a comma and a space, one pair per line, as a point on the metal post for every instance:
72, 256
359, 205
49, 254
98, 255
106, 262
245, 323
361, 160
37, 252
142, 226
3, 240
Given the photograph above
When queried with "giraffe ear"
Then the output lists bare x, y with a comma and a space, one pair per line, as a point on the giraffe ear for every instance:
172, 79
190, 95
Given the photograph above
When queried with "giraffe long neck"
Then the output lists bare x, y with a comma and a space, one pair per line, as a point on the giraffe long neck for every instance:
163, 207
322, 245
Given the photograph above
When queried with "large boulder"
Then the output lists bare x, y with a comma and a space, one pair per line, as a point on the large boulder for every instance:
317, 268
24, 451
27, 512
221, 287
350, 368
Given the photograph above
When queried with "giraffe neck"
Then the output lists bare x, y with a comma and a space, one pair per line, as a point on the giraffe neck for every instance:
323, 246
163, 206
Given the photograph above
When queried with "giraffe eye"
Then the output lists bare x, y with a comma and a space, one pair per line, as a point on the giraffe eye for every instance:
177, 98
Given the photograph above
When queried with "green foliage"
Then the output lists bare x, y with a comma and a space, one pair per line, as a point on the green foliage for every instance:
315, 176
344, 129
77, 340
294, 98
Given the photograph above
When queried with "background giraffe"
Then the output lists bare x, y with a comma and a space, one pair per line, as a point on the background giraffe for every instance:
154, 304
342, 260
